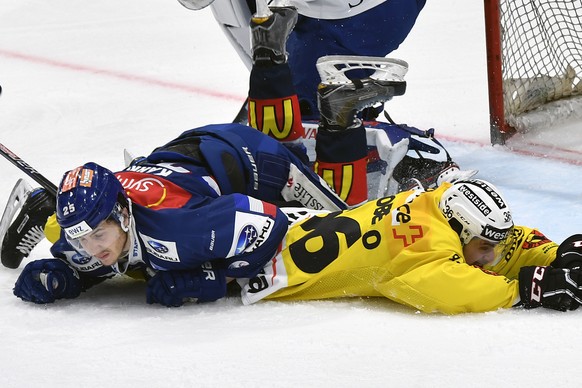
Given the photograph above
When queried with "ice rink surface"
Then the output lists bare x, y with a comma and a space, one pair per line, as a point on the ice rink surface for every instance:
84, 80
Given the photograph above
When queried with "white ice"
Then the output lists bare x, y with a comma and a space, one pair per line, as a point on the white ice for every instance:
84, 80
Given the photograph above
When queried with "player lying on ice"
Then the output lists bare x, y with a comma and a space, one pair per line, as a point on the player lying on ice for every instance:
412, 247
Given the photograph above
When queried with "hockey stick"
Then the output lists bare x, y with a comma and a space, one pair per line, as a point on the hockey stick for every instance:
242, 115
50, 187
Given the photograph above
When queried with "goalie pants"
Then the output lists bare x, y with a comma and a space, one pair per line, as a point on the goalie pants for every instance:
375, 32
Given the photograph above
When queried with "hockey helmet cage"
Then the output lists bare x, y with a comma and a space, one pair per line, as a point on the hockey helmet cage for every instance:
475, 208
88, 195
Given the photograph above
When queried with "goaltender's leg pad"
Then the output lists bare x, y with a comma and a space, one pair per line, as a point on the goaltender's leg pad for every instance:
391, 154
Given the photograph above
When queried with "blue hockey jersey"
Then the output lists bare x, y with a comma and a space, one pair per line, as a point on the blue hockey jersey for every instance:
173, 228
185, 213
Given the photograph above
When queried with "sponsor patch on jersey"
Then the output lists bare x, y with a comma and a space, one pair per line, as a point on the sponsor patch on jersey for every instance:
246, 238
160, 249
80, 259
90, 266
82, 263
535, 239
153, 192
251, 230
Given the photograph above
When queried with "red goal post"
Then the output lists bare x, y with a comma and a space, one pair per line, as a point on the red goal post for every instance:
534, 64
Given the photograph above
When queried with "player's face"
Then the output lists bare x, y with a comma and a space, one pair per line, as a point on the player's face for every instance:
107, 242
479, 252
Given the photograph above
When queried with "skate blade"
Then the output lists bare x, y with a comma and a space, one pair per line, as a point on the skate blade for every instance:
332, 68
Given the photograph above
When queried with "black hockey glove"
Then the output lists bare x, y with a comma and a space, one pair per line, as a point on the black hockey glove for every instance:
46, 280
553, 288
173, 288
569, 253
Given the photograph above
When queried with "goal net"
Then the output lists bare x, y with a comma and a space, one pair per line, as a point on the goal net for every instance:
534, 55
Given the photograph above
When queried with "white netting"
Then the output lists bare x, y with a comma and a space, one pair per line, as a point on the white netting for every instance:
541, 56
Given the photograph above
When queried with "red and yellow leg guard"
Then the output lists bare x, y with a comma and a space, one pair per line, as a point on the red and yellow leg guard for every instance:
348, 180
279, 118
342, 158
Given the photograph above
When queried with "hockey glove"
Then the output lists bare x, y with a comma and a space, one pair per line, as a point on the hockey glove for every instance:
554, 288
173, 288
569, 253
46, 280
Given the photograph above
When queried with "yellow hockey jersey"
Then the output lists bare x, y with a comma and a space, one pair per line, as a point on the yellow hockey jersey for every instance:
399, 247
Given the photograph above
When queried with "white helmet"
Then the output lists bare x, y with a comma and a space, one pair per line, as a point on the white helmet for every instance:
475, 208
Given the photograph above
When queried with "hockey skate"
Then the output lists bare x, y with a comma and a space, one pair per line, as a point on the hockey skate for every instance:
18, 236
270, 28
415, 173
340, 98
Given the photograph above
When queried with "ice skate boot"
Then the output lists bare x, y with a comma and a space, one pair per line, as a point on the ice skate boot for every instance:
429, 173
340, 98
270, 28
20, 236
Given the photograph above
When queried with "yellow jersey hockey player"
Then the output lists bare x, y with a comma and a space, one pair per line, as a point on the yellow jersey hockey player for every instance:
451, 250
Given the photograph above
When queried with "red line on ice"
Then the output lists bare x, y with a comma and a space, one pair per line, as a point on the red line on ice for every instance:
227, 96
542, 151
119, 75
